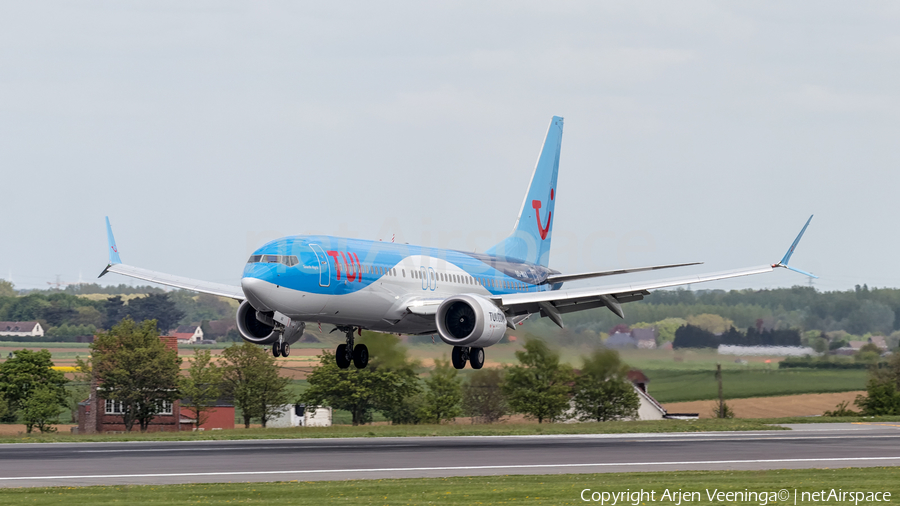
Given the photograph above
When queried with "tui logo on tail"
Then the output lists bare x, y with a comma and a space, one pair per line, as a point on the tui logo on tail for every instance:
536, 204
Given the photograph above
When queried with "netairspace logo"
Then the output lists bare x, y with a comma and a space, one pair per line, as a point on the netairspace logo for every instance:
760, 497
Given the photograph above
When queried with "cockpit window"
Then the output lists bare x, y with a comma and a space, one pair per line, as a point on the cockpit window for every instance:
289, 260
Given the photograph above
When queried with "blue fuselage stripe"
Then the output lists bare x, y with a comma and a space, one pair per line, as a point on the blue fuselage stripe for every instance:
352, 265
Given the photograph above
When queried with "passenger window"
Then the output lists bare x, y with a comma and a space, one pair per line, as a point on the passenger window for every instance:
403, 272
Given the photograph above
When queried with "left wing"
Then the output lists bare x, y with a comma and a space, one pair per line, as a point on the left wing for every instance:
116, 266
553, 304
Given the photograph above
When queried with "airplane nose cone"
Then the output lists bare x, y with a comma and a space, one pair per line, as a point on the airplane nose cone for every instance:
253, 290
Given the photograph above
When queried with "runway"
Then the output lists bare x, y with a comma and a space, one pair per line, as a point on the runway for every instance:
806, 446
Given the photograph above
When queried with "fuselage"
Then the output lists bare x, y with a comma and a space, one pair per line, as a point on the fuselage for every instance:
371, 284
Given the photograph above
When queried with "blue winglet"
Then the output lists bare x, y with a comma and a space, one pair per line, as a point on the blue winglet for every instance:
113, 250
787, 256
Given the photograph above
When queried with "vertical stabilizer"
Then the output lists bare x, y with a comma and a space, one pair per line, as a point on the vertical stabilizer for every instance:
113, 249
530, 238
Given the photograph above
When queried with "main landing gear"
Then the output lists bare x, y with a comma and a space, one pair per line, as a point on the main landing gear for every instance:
460, 355
347, 353
281, 349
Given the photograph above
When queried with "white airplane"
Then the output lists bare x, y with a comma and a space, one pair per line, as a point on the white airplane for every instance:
468, 299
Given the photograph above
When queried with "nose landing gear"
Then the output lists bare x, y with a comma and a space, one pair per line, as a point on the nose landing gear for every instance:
348, 353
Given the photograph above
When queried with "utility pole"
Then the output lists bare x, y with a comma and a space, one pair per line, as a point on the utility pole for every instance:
721, 398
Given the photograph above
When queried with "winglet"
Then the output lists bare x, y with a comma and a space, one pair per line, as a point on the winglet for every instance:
113, 249
787, 256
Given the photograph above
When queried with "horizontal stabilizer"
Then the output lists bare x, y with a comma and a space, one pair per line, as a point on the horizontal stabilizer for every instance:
562, 278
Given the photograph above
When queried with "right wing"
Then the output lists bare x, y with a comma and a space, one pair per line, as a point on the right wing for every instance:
556, 302
196, 285
553, 304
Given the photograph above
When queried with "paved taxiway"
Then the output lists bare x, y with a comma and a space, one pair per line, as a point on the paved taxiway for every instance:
807, 446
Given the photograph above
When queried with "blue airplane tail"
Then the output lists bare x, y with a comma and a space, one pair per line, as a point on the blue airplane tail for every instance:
530, 238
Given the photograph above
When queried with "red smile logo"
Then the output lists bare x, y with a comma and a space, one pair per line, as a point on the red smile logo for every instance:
536, 204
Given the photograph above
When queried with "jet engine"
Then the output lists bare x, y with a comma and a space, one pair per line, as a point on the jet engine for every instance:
470, 320
256, 327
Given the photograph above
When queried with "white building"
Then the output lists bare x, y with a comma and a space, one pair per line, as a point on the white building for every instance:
188, 334
300, 415
766, 351
20, 329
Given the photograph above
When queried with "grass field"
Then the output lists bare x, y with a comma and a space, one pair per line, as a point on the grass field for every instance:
411, 431
679, 386
454, 430
558, 489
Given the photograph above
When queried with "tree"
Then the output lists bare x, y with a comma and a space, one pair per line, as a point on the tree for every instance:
41, 409
7, 289
271, 390
690, 336
252, 376
359, 391
443, 395
201, 387
27, 371
603, 391
667, 328
134, 368
114, 307
882, 390
482, 396
539, 385
710, 322
387, 353
158, 307
80, 388
868, 353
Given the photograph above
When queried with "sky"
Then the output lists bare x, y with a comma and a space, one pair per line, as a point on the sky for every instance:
694, 131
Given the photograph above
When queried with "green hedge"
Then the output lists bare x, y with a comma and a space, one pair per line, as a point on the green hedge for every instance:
818, 363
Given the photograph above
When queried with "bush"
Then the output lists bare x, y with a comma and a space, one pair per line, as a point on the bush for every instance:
823, 363
841, 410
726, 411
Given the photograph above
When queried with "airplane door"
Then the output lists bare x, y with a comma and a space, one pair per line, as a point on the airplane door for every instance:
432, 279
324, 266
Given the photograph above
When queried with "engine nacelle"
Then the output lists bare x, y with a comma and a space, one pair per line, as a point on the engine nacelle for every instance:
470, 320
252, 329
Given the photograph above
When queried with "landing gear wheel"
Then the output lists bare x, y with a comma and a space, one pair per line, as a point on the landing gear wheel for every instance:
276, 350
286, 350
340, 356
476, 357
360, 356
457, 356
